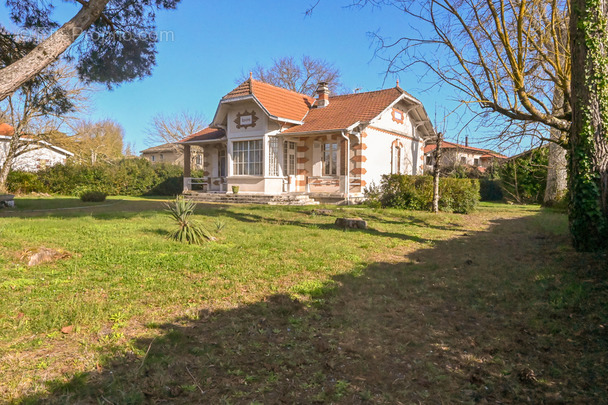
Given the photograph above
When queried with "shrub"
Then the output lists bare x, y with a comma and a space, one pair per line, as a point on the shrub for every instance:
524, 178
188, 231
21, 182
93, 196
416, 193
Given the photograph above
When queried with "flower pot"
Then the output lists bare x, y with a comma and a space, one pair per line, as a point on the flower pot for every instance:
235, 189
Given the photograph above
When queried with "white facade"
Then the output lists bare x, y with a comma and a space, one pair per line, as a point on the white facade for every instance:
39, 155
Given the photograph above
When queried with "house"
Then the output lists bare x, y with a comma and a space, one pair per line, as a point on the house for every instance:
34, 155
174, 154
268, 140
454, 154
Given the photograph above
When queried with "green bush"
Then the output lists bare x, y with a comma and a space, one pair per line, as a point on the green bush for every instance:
93, 196
416, 193
133, 176
524, 178
20, 182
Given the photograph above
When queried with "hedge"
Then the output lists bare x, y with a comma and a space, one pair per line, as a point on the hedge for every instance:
416, 193
134, 176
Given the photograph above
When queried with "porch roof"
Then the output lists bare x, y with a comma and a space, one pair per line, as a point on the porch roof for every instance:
206, 135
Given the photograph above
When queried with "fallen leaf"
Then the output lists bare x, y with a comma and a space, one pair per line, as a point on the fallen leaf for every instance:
67, 329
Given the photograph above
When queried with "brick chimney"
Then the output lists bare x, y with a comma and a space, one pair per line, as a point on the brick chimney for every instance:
323, 95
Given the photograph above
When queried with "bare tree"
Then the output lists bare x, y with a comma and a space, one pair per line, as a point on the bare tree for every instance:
98, 141
121, 47
36, 111
165, 128
301, 75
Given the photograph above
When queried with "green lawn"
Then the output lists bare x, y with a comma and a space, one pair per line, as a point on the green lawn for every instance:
284, 307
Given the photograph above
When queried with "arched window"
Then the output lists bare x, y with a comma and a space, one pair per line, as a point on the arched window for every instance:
396, 158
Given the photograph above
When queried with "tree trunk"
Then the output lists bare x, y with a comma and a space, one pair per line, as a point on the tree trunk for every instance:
557, 172
47, 52
3, 176
588, 164
436, 172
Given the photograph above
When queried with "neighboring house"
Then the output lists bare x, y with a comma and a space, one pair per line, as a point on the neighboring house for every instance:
454, 154
269, 140
37, 155
173, 154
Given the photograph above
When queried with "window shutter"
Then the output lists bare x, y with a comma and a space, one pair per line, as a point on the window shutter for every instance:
317, 164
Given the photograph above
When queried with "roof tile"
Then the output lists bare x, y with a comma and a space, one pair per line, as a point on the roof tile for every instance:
277, 101
344, 111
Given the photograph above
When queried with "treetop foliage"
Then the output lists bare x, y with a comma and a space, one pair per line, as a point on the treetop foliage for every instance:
119, 46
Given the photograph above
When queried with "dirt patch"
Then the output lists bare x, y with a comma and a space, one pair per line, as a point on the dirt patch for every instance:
34, 257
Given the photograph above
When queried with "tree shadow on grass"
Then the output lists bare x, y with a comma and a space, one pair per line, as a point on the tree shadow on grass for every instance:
499, 316
328, 225
108, 210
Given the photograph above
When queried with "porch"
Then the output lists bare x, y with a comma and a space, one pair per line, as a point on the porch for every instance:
278, 165
251, 198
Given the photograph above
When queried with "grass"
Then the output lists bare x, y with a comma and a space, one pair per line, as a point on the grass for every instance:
284, 307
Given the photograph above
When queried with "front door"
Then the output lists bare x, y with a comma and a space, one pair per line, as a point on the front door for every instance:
289, 164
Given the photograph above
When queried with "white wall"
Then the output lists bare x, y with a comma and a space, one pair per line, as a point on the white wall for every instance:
379, 155
33, 160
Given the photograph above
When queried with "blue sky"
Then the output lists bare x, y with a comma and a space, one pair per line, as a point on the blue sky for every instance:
214, 42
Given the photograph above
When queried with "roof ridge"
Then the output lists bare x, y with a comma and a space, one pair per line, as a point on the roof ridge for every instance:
367, 92
281, 88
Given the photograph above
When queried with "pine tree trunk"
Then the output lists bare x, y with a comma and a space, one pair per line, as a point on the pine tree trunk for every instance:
47, 52
588, 158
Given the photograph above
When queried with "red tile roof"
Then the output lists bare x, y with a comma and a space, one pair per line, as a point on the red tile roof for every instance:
6, 129
207, 134
277, 101
344, 111
450, 145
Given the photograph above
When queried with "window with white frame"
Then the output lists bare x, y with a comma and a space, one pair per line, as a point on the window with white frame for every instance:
396, 160
289, 158
329, 153
247, 158
273, 157
198, 160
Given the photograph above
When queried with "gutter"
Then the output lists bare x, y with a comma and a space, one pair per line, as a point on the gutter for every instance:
347, 176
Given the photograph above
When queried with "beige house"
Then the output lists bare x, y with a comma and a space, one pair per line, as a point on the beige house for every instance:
173, 154
272, 141
454, 154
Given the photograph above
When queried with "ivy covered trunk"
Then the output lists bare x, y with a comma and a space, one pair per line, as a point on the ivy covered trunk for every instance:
588, 154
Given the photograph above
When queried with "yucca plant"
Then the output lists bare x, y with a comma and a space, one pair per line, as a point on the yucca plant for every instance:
188, 231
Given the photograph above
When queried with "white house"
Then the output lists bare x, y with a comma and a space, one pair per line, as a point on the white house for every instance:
454, 154
269, 140
34, 155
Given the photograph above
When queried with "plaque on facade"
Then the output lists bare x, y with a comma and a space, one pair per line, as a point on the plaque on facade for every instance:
245, 119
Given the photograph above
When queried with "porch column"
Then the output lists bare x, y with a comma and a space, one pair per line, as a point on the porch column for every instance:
187, 168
